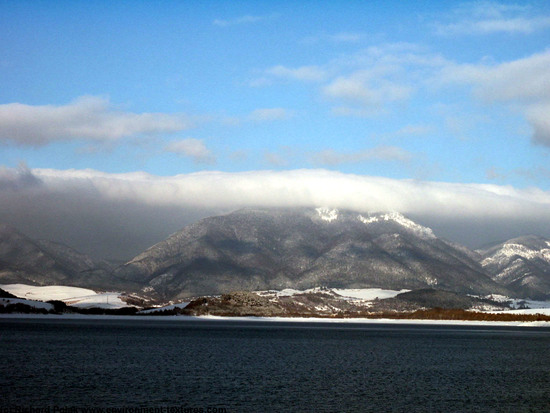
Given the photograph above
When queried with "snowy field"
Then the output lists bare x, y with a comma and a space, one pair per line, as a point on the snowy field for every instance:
368, 294
73, 296
364, 294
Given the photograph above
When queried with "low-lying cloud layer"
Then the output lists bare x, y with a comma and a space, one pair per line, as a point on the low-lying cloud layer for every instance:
119, 215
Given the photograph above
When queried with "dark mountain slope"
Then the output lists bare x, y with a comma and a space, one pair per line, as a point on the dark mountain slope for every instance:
28, 261
256, 249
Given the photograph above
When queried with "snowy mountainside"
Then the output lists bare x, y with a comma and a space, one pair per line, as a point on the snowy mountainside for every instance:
522, 264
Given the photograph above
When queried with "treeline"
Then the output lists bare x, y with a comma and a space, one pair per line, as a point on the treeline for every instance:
451, 314
59, 307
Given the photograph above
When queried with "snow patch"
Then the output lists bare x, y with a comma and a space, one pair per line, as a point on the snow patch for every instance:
73, 296
368, 294
368, 220
325, 320
543, 311
511, 250
350, 294
327, 214
499, 298
46, 293
396, 217
288, 292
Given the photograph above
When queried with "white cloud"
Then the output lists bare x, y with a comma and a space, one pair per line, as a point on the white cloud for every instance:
490, 17
88, 118
365, 83
330, 157
524, 80
365, 92
247, 19
192, 148
305, 73
523, 84
269, 114
370, 81
342, 37
128, 212
414, 130
282, 73
301, 187
517, 25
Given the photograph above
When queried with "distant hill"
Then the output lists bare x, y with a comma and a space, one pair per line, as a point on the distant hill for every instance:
39, 262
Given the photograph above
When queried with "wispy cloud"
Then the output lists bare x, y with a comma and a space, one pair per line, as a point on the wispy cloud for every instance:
269, 114
305, 73
192, 148
275, 159
342, 37
370, 81
363, 83
281, 73
346, 37
486, 17
414, 130
246, 19
366, 91
87, 118
331, 157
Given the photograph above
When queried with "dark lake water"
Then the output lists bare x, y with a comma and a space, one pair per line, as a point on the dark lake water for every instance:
236, 366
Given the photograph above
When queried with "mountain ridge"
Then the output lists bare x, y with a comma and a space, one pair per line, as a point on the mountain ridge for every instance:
42, 262
254, 249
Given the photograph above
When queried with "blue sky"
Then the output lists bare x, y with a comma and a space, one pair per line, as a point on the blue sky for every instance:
427, 91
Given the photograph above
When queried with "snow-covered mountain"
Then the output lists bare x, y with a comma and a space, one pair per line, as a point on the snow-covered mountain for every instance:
522, 264
260, 249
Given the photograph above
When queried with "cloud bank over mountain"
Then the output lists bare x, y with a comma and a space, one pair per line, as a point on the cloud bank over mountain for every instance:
117, 215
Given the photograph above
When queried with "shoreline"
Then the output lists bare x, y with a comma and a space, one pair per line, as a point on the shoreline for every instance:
312, 320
